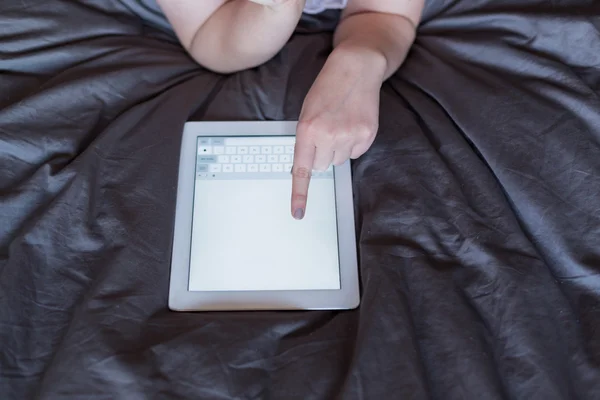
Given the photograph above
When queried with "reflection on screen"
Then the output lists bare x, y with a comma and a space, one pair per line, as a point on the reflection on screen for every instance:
243, 236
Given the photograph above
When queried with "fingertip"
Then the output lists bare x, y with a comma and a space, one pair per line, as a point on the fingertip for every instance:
298, 213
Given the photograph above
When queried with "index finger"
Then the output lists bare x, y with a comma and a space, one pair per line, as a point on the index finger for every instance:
304, 158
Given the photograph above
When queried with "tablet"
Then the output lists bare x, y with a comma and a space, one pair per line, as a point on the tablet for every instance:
236, 245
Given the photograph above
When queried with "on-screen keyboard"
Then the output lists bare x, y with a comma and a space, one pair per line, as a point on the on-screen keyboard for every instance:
248, 158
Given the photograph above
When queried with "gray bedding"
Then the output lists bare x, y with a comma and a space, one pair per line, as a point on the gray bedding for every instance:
478, 212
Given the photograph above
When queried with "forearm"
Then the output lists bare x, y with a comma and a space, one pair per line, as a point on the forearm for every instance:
384, 39
242, 34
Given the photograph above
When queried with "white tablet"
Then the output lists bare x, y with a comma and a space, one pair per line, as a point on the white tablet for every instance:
236, 245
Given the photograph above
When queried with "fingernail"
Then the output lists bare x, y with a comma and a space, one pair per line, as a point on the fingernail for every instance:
299, 213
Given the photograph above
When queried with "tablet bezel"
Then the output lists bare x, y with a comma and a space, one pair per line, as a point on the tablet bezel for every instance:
181, 299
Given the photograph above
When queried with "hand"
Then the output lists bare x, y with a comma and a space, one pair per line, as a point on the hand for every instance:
339, 119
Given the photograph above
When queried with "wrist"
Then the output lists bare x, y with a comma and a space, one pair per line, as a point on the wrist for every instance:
355, 58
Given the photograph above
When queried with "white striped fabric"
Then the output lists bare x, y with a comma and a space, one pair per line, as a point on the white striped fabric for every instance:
318, 6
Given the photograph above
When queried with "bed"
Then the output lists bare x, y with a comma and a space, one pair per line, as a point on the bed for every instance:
478, 212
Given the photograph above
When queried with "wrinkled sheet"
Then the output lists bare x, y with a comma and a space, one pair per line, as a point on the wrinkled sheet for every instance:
478, 212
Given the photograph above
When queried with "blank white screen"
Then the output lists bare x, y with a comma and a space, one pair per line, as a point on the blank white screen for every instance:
244, 238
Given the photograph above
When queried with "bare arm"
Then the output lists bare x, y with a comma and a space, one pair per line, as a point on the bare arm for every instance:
231, 35
385, 28
340, 115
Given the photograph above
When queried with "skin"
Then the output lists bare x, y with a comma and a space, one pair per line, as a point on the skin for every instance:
340, 114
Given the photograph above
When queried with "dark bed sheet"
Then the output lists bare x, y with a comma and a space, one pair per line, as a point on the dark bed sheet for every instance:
478, 213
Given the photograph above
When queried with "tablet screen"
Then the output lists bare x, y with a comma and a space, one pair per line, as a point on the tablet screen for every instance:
243, 235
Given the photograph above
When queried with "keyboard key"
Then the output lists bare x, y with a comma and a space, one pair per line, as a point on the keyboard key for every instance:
254, 149
260, 141
240, 167
266, 149
223, 159
227, 167
242, 150
248, 159
229, 150
253, 168
261, 159
236, 159
277, 167
272, 158
288, 167
215, 167
207, 159
218, 149
289, 149
278, 149
202, 168
265, 168
204, 141
205, 150
218, 142
285, 158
